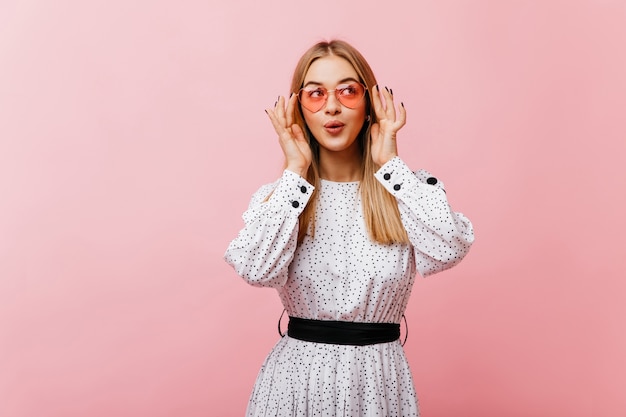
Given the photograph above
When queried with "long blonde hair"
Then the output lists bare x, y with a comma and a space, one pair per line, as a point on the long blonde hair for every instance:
380, 208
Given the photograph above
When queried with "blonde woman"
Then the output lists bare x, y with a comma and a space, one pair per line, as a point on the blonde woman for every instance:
341, 236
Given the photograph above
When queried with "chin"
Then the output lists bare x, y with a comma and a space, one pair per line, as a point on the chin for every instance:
338, 146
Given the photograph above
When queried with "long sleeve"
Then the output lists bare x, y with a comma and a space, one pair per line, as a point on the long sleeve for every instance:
264, 248
440, 237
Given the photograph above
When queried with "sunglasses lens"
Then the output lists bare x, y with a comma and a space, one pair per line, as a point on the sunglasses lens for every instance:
313, 99
350, 95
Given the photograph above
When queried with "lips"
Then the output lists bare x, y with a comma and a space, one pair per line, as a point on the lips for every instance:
334, 127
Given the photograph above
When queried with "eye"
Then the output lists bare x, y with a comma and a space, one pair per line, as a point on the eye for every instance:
349, 90
316, 93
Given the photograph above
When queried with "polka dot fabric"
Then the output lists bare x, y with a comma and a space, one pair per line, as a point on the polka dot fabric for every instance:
340, 274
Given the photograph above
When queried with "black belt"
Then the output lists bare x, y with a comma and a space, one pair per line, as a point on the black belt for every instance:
342, 332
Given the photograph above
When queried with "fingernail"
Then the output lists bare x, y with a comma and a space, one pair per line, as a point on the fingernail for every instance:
402, 104
275, 103
391, 91
386, 89
376, 87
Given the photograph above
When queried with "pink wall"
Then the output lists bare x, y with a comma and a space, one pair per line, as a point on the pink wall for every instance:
132, 135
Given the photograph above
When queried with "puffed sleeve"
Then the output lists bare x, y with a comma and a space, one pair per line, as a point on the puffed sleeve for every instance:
440, 237
263, 249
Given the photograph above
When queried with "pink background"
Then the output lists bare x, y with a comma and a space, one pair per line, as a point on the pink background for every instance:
132, 135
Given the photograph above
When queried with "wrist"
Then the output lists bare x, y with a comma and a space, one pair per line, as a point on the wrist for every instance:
297, 170
383, 161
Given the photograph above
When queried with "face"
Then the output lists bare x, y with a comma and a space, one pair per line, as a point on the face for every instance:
335, 126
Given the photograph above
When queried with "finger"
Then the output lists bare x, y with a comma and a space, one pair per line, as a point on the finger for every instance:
275, 122
291, 108
391, 108
277, 117
280, 110
374, 132
376, 102
297, 132
402, 115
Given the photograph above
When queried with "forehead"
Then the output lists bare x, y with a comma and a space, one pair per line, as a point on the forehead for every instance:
330, 70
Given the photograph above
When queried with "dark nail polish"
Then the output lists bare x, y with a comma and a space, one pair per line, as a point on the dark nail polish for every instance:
402, 104
386, 89
391, 91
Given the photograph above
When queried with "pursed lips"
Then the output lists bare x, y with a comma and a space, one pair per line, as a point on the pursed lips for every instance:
334, 126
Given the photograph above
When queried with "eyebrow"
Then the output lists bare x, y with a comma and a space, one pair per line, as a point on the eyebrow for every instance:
340, 81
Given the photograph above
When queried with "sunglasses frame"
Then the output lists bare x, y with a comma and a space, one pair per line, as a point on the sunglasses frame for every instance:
338, 97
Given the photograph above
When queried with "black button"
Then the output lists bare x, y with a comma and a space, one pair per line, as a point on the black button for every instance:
396, 187
431, 180
387, 176
303, 189
295, 204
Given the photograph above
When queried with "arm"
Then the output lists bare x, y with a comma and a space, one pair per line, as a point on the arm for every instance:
440, 236
264, 248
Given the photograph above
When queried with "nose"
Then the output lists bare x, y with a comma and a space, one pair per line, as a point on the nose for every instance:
333, 106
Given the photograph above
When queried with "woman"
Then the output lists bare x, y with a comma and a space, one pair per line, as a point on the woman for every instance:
341, 235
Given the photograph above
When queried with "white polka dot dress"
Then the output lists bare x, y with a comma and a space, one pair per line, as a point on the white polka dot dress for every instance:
340, 274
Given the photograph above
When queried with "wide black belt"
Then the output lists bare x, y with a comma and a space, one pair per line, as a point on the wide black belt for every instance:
342, 332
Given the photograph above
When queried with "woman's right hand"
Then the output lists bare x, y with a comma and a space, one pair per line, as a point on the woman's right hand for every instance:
290, 136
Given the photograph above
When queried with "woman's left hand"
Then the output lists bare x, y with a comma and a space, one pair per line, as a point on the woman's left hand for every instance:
383, 132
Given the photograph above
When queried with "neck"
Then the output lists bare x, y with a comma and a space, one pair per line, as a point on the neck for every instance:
340, 166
